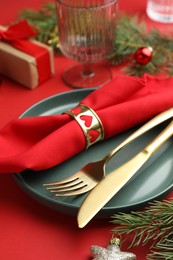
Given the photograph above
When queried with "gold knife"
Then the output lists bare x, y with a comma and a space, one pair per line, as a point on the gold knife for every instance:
114, 181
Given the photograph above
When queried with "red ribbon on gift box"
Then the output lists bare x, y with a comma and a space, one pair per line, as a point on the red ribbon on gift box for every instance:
17, 35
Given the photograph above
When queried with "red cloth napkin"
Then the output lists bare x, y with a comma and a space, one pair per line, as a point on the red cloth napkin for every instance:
39, 143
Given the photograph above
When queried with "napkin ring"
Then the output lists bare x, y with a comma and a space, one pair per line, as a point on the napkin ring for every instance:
90, 123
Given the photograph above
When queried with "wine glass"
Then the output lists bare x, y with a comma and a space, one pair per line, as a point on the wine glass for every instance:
87, 30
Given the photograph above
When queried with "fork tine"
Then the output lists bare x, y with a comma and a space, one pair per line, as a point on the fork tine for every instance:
68, 188
66, 180
79, 183
75, 192
64, 184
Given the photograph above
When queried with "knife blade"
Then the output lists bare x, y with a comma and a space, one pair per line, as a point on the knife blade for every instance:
115, 180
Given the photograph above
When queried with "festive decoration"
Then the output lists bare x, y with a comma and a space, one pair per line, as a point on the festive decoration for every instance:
143, 55
32, 60
155, 224
131, 35
112, 252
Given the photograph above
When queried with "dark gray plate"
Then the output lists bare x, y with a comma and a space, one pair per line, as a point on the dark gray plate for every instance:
153, 181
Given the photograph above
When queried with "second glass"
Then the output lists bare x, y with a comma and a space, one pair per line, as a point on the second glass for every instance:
87, 31
160, 10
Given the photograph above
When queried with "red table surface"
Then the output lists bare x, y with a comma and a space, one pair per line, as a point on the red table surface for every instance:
28, 230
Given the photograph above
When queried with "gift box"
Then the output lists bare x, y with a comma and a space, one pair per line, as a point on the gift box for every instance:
23, 60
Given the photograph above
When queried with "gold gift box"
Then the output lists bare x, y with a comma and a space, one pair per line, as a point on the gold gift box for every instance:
22, 67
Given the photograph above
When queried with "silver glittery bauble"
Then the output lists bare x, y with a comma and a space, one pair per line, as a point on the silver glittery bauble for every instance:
112, 252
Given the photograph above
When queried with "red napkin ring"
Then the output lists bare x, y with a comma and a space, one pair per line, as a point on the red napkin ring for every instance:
89, 122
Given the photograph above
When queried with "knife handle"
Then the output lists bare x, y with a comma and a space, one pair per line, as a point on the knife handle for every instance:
143, 129
160, 139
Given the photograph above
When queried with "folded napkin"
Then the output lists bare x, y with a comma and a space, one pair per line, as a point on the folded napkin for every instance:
42, 142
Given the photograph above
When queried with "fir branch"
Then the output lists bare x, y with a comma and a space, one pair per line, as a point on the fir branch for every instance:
155, 224
165, 250
131, 35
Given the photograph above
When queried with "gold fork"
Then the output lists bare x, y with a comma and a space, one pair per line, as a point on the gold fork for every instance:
89, 176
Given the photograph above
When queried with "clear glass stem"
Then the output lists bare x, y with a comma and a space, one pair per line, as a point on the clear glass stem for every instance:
88, 70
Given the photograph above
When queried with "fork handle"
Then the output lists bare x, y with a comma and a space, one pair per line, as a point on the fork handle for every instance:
143, 129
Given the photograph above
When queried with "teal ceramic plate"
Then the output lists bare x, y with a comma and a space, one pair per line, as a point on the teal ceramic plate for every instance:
152, 182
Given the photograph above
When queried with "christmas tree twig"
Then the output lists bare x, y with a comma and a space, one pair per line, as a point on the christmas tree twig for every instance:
155, 224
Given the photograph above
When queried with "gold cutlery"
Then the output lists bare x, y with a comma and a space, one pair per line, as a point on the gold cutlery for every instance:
89, 176
114, 181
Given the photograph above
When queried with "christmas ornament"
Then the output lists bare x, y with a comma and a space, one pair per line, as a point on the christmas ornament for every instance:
143, 55
112, 252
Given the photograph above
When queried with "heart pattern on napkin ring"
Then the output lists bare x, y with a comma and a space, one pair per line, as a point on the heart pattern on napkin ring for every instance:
90, 123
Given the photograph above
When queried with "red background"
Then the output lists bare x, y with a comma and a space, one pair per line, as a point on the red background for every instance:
28, 230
